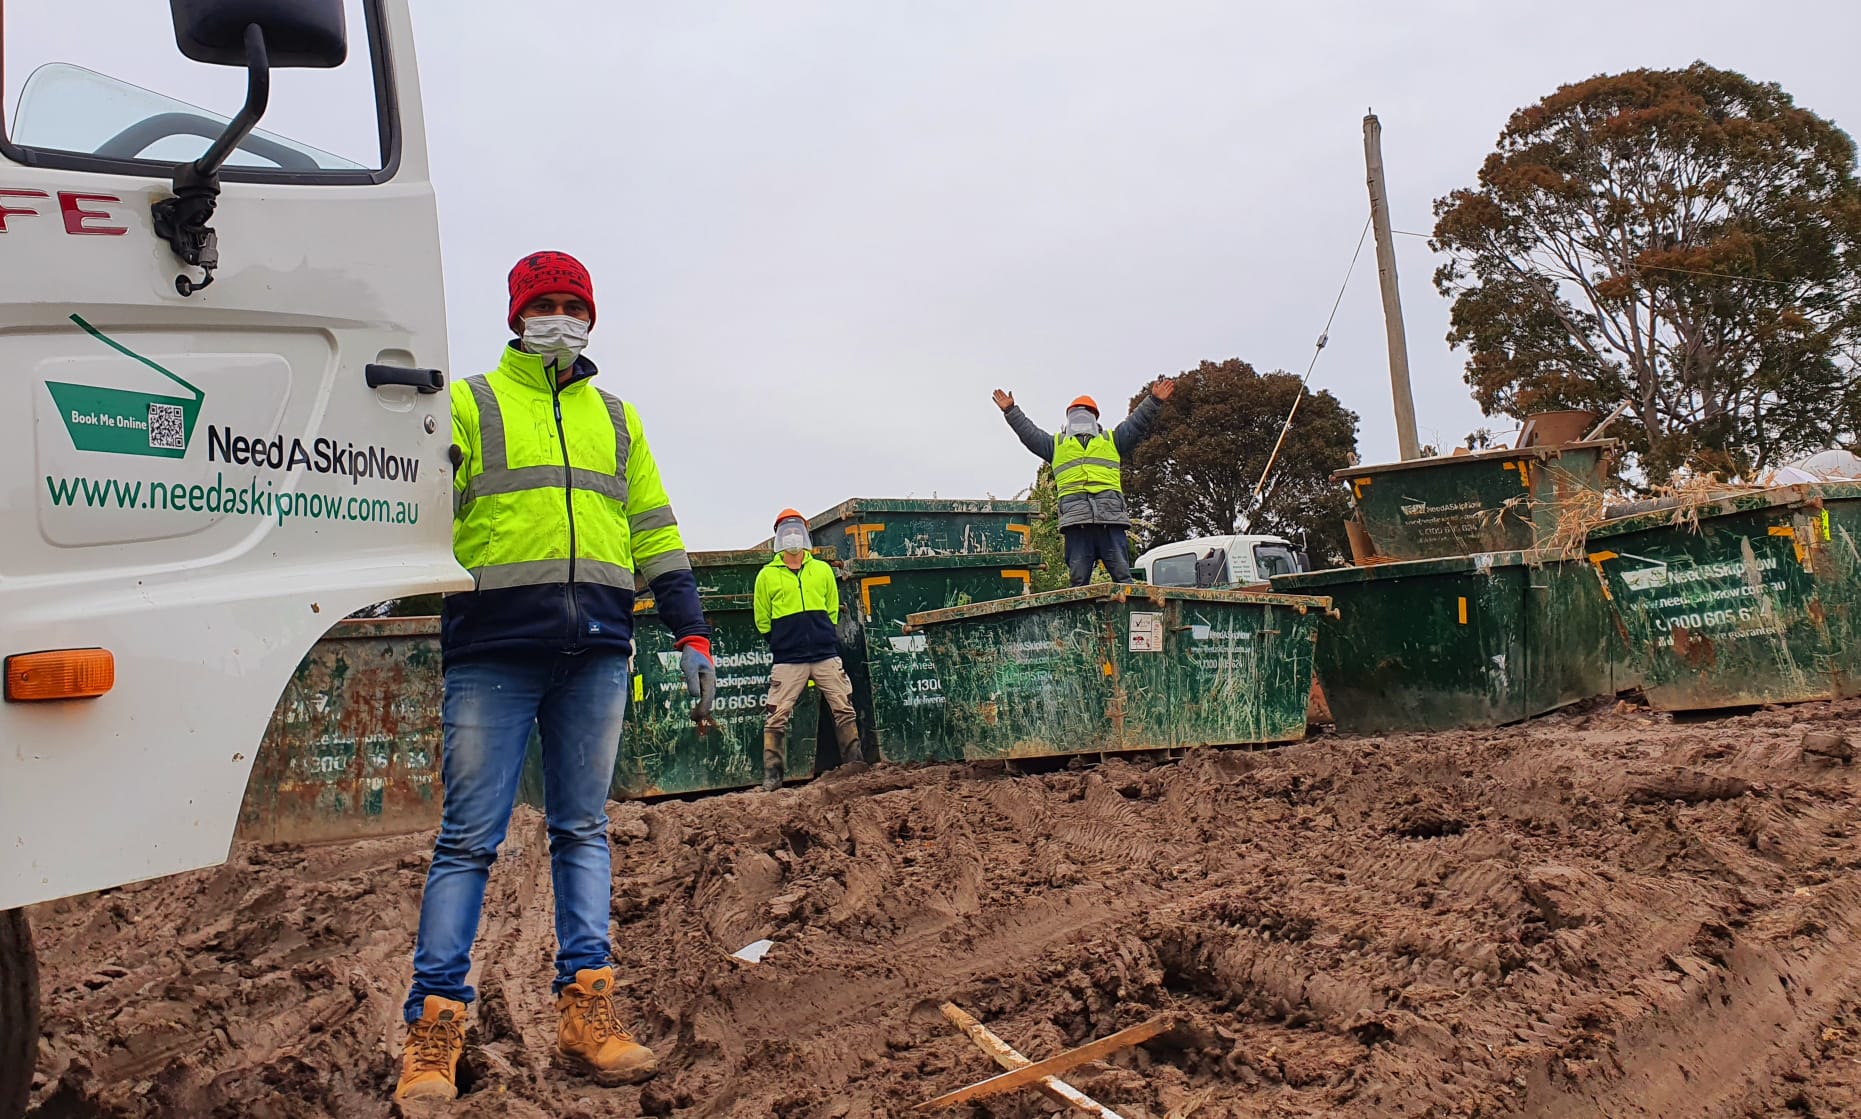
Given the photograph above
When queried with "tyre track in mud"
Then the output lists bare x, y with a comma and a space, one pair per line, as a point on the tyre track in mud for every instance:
1593, 913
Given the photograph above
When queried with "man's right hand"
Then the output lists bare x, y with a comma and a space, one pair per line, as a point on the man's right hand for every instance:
1004, 400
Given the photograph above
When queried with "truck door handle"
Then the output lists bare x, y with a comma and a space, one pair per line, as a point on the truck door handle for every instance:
423, 380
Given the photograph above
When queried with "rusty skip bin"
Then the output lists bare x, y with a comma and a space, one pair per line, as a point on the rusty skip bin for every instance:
352, 749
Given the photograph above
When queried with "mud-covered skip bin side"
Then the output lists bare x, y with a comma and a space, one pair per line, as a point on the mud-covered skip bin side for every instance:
1490, 501
1471, 641
1739, 600
1105, 669
897, 689
352, 749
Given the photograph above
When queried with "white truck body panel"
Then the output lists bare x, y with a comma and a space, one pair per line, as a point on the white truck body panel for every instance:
202, 485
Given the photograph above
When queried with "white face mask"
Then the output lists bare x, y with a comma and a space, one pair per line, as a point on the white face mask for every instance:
557, 339
1081, 421
792, 536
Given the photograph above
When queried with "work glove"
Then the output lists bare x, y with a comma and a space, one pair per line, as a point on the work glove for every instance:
700, 677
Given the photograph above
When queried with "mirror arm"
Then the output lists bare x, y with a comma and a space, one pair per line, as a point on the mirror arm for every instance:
182, 220
258, 98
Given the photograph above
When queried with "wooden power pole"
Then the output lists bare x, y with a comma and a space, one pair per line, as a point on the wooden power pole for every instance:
1392, 296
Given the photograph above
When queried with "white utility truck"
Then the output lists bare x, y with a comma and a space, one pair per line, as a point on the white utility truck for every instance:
1219, 561
224, 419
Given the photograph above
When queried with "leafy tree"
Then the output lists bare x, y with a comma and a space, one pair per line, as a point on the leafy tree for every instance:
1687, 241
1045, 537
1196, 473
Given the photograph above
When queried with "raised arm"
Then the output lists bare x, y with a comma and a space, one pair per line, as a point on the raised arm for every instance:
1039, 442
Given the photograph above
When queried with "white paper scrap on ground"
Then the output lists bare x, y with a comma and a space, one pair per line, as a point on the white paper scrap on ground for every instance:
753, 953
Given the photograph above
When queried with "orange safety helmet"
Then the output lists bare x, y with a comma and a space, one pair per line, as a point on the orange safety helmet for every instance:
1084, 402
786, 514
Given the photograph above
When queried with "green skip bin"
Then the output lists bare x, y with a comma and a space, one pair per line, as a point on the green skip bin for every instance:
1106, 669
896, 688
1471, 641
1742, 599
1491, 501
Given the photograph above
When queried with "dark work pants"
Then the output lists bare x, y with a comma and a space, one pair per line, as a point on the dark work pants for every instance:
1087, 545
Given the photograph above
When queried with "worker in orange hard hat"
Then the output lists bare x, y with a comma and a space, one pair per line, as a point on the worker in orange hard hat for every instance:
1088, 471
797, 604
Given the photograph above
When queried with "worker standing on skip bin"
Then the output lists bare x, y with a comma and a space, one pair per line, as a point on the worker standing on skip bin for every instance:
557, 504
797, 608
1088, 473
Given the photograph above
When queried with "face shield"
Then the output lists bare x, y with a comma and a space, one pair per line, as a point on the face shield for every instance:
1081, 421
791, 535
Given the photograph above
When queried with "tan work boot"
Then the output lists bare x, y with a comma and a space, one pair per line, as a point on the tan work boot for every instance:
590, 1040
430, 1057
771, 761
848, 736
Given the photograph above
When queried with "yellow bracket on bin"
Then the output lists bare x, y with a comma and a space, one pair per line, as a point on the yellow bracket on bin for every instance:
865, 591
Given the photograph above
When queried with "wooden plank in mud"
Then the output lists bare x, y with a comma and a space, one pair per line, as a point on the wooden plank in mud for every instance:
1023, 1073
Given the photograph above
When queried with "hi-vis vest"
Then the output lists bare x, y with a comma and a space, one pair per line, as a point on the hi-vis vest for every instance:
556, 487
1092, 468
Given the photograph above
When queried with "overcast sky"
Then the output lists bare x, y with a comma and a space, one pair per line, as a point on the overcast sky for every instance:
821, 231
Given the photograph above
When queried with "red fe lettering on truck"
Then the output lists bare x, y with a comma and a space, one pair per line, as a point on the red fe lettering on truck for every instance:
17, 211
80, 221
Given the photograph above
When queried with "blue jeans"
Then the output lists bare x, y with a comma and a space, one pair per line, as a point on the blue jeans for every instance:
1086, 545
577, 705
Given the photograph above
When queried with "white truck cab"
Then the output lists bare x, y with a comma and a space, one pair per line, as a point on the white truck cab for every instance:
222, 420
1219, 561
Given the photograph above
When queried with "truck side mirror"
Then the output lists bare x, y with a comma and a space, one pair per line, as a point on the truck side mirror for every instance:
256, 34
298, 33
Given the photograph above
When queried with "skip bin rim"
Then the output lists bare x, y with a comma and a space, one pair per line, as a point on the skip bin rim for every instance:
853, 507
1724, 505
879, 565
1113, 592
413, 625
709, 604
733, 557
1445, 565
1498, 454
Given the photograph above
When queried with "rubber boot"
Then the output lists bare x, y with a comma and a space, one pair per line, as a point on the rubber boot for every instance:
771, 760
848, 734
590, 1040
430, 1058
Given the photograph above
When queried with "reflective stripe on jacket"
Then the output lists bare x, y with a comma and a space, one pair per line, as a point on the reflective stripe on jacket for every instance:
797, 610
557, 503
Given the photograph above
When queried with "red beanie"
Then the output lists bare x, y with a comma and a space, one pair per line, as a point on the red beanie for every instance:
548, 273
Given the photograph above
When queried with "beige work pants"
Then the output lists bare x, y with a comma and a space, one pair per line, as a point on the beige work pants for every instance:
787, 684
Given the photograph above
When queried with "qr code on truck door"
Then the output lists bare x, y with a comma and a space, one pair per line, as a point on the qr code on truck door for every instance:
166, 430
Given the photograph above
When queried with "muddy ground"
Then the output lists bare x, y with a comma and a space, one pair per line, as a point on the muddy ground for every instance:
1603, 913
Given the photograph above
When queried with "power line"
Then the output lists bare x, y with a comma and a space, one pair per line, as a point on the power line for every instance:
1323, 337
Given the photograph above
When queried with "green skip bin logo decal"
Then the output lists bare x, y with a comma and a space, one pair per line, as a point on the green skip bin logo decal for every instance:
121, 422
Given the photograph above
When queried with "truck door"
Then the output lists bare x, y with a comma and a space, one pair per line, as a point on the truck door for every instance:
195, 486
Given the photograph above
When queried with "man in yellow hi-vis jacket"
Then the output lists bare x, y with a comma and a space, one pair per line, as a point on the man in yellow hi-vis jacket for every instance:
1088, 472
557, 505
797, 607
